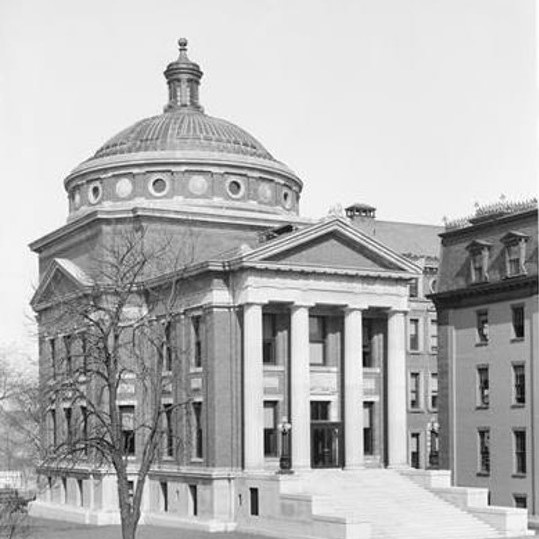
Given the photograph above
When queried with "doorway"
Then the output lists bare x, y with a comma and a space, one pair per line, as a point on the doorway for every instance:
326, 446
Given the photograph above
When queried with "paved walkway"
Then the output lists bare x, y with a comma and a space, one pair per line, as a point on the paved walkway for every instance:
55, 529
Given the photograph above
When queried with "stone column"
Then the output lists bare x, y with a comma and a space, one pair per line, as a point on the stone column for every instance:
253, 388
300, 387
396, 390
353, 389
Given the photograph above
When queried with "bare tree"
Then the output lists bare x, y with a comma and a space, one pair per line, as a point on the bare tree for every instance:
118, 334
18, 440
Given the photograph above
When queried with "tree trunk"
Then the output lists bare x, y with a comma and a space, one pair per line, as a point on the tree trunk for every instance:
129, 526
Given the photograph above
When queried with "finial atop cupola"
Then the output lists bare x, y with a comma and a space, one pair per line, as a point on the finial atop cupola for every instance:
183, 79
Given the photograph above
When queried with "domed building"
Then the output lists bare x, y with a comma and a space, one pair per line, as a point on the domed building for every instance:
284, 400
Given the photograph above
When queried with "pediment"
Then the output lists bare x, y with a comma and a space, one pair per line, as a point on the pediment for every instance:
333, 244
334, 250
62, 278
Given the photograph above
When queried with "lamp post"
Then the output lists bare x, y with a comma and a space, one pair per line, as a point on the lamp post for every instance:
285, 463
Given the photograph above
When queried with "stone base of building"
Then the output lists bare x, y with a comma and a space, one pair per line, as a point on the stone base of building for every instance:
315, 504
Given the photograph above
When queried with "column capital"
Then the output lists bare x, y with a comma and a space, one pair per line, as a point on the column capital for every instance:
247, 303
392, 312
354, 308
301, 305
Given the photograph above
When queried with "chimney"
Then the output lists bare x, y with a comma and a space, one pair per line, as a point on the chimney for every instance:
363, 217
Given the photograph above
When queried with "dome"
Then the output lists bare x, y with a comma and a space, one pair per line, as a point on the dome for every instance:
184, 161
179, 129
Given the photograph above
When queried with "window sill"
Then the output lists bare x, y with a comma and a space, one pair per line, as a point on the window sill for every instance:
482, 407
515, 275
195, 370
371, 370
323, 368
518, 475
414, 351
195, 460
518, 405
483, 474
272, 367
481, 343
416, 410
516, 339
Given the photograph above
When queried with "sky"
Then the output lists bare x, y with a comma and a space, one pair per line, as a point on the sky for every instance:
421, 108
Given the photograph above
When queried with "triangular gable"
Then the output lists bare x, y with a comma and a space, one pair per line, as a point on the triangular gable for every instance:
514, 236
331, 244
62, 278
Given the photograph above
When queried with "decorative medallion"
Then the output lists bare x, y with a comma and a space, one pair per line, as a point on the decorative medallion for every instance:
287, 198
124, 187
95, 192
158, 186
235, 187
198, 185
77, 200
264, 192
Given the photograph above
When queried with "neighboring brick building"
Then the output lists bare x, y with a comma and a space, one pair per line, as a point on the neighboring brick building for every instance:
486, 300
277, 318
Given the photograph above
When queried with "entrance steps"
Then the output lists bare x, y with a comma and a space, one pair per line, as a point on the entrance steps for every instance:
382, 504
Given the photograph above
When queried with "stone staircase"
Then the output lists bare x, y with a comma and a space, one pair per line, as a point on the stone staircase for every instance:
394, 505
378, 503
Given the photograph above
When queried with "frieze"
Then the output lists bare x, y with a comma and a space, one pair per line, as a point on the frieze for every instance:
324, 383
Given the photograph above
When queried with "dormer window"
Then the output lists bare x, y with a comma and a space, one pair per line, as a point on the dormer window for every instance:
479, 259
515, 253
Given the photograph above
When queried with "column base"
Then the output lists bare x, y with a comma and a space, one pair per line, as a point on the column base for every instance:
399, 467
354, 468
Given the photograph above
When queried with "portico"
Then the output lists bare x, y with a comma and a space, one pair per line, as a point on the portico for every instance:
318, 379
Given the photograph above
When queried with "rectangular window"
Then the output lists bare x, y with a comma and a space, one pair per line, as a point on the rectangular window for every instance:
518, 321
478, 274
196, 324
433, 391
320, 410
68, 357
414, 334
164, 495
84, 353
68, 415
127, 421
413, 288
317, 340
270, 429
482, 326
52, 352
198, 449
80, 487
130, 490
520, 451
167, 348
484, 450
415, 445
168, 430
269, 334
368, 358
434, 335
513, 260
482, 387
53, 428
84, 429
368, 428
519, 384
253, 501
520, 500
193, 500
414, 391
